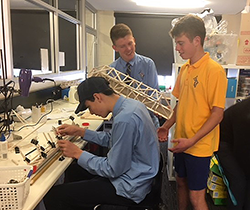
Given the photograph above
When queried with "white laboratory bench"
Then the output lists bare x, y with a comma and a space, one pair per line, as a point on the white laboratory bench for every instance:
54, 168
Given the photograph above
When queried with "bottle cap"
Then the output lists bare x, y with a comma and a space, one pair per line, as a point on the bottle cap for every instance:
85, 124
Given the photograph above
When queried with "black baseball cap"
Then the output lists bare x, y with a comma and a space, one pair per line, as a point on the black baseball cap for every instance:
87, 88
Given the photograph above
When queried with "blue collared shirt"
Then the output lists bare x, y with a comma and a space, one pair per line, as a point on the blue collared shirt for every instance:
143, 69
133, 158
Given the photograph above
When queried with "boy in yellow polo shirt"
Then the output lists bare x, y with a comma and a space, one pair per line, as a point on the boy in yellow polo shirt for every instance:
201, 91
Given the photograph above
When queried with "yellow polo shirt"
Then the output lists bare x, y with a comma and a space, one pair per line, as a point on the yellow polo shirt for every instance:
199, 87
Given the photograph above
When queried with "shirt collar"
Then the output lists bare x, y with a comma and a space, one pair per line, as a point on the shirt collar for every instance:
199, 62
132, 62
118, 105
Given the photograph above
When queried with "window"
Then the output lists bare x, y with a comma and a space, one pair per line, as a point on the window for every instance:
31, 39
90, 15
46, 35
67, 49
69, 7
91, 37
91, 49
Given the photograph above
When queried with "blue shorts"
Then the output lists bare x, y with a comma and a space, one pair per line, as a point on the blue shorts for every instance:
195, 169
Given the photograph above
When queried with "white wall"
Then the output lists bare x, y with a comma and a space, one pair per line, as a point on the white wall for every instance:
233, 23
105, 52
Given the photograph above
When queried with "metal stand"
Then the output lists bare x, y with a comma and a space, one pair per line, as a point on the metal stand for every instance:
7, 89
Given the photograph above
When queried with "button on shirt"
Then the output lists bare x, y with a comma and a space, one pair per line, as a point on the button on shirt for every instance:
133, 158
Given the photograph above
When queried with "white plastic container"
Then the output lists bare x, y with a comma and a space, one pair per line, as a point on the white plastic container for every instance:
36, 113
13, 196
73, 95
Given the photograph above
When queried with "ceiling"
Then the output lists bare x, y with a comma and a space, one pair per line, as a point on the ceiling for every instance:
218, 6
128, 6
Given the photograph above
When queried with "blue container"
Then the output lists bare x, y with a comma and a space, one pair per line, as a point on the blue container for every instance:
65, 92
231, 87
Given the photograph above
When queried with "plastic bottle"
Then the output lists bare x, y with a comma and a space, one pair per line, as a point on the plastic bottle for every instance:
72, 94
3, 147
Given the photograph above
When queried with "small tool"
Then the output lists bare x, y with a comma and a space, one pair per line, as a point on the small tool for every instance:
50, 142
72, 119
39, 148
59, 137
17, 151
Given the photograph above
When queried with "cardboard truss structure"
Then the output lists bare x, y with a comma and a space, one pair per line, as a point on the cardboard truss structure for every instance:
127, 86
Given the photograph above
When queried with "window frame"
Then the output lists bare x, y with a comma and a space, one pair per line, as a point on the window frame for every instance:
54, 14
92, 31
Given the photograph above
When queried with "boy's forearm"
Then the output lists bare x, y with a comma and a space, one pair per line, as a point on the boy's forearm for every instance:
169, 123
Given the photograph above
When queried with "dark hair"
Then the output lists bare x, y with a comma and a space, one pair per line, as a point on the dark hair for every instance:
191, 26
106, 92
118, 31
